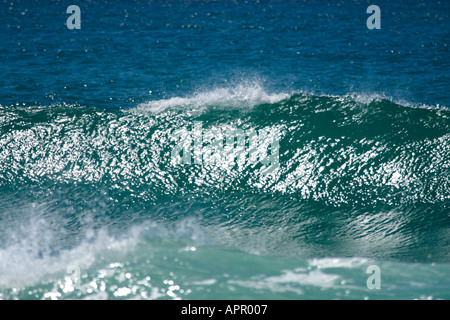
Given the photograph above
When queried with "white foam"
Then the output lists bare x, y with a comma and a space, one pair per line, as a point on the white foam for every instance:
325, 263
368, 98
20, 266
364, 98
242, 95
27, 259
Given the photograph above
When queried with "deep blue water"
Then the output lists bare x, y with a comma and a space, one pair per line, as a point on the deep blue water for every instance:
125, 49
356, 121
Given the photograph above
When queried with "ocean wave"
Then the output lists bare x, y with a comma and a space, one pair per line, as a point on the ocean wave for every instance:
35, 253
351, 178
153, 261
251, 94
329, 148
239, 96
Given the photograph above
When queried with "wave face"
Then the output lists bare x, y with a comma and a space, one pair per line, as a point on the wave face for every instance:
109, 192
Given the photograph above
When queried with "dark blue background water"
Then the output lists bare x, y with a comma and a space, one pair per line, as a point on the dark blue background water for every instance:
125, 49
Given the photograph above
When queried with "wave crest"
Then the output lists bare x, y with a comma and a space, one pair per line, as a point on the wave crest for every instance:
242, 95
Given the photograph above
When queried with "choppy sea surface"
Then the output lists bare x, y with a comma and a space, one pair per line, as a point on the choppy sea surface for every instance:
224, 150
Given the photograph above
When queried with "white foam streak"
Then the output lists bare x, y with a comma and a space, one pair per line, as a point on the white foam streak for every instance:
28, 259
20, 266
242, 95
368, 98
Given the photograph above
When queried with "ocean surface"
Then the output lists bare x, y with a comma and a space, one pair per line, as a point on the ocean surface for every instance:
224, 150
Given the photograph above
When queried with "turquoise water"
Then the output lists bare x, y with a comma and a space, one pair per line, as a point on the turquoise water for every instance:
210, 150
